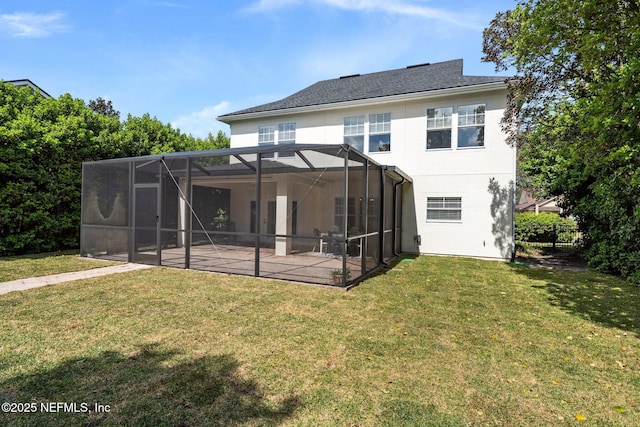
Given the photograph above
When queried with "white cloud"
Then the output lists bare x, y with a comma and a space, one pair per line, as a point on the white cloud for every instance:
173, 5
30, 25
266, 5
200, 123
397, 7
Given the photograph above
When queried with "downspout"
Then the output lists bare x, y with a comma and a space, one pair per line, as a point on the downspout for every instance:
395, 214
381, 225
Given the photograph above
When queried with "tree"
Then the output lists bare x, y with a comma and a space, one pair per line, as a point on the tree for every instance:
573, 110
103, 107
43, 143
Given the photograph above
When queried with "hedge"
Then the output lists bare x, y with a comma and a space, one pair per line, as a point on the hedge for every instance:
43, 143
544, 227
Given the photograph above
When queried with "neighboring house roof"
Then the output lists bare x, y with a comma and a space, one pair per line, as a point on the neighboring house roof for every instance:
27, 82
527, 202
416, 79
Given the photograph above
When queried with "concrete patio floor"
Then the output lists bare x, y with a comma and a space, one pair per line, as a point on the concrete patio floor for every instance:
308, 267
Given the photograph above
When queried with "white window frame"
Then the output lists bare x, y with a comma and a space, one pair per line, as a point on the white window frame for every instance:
353, 127
440, 123
471, 120
361, 127
379, 126
283, 133
286, 135
463, 118
445, 206
267, 136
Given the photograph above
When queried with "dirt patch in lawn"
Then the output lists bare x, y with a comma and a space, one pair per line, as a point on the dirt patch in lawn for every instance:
553, 260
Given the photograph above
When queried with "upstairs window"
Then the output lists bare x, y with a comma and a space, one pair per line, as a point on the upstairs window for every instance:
286, 135
266, 136
444, 209
379, 132
471, 125
439, 127
354, 132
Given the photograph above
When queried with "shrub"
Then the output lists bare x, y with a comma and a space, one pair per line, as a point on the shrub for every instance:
544, 227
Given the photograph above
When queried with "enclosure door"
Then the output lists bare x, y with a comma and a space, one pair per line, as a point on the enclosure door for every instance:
146, 221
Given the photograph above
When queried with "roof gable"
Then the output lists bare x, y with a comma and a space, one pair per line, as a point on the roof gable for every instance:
412, 79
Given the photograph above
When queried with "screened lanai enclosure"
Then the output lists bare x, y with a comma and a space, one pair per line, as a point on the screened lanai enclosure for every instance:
323, 214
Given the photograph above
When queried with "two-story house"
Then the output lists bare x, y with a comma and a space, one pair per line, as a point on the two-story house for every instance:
323, 186
436, 124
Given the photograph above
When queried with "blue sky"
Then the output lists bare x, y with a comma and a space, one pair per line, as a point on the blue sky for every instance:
187, 62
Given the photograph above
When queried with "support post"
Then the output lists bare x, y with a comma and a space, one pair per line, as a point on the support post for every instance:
381, 225
189, 219
283, 216
258, 220
159, 216
132, 208
365, 247
345, 218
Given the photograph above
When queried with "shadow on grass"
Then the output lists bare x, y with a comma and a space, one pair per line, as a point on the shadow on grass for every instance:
606, 300
385, 268
145, 389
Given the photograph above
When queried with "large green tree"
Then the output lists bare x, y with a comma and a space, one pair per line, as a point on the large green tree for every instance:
574, 113
43, 143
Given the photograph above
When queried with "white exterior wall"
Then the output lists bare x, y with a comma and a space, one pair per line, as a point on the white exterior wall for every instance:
483, 177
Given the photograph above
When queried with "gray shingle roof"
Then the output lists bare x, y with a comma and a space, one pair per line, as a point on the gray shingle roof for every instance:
413, 79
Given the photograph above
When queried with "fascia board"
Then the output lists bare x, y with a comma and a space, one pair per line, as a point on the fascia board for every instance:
369, 101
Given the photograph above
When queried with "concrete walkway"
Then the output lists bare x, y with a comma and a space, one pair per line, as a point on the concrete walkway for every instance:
36, 282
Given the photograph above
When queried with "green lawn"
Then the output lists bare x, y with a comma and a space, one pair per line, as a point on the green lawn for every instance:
436, 341
21, 267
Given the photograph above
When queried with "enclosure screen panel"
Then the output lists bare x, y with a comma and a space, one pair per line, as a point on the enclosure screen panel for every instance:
294, 212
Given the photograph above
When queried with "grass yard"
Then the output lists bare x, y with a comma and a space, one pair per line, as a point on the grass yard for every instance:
21, 267
432, 342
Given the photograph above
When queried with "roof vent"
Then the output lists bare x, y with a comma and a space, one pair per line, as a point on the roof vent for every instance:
349, 76
418, 65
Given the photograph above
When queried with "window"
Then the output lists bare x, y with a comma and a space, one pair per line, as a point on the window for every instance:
471, 125
379, 132
439, 127
286, 135
354, 132
444, 208
266, 136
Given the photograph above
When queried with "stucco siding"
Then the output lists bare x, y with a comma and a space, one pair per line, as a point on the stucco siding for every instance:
483, 177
